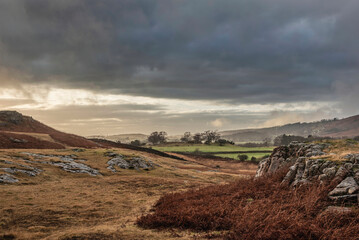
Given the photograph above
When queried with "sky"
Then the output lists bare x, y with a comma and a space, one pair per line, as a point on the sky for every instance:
136, 66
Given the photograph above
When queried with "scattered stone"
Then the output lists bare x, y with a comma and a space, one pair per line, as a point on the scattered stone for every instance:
336, 209
71, 157
7, 178
78, 150
31, 171
111, 154
15, 140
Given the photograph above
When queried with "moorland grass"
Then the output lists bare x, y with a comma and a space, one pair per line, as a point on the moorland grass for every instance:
255, 209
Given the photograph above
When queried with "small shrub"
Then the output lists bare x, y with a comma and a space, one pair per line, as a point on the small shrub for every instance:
136, 143
197, 151
242, 157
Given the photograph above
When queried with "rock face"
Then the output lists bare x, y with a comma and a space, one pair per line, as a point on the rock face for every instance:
11, 116
306, 166
127, 162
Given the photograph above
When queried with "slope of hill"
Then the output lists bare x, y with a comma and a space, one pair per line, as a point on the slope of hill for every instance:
347, 127
19, 131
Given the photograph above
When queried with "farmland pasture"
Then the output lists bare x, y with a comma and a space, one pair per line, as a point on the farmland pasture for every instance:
208, 148
216, 150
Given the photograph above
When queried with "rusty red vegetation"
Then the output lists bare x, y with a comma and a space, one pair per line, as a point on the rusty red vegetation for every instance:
29, 125
7, 141
255, 209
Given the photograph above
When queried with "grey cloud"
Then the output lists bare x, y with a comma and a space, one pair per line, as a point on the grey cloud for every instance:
238, 51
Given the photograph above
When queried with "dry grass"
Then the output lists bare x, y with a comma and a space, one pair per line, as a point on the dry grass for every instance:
339, 148
61, 205
255, 209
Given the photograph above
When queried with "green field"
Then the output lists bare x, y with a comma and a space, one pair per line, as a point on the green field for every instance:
208, 148
215, 150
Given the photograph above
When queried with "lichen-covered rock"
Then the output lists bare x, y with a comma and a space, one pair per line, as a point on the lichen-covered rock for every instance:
341, 173
13, 170
329, 172
288, 155
346, 187
75, 167
129, 163
7, 178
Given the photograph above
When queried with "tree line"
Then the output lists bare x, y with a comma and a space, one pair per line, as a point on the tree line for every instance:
207, 137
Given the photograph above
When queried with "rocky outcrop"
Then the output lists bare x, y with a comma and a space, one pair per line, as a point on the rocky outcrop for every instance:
288, 155
127, 162
66, 162
11, 117
306, 166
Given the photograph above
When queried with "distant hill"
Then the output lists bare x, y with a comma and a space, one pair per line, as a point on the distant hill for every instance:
19, 131
347, 127
123, 138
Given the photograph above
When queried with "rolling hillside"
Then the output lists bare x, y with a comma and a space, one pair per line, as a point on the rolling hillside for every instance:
19, 131
347, 127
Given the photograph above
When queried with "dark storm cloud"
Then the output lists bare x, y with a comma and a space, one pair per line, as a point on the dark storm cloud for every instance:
233, 50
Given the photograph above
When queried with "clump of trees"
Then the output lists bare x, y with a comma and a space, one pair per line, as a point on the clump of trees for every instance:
157, 137
208, 137
137, 143
187, 137
197, 138
223, 142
